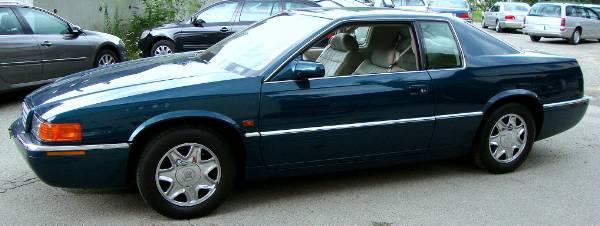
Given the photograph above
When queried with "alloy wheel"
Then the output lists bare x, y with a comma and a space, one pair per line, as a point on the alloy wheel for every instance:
106, 59
576, 37
188, 174
163, 50
508, 138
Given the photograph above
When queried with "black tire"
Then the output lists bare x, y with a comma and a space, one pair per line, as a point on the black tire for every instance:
162, 43
160, 145
482, 150
574, 40
483, 23
105, 52
498, 28
535, 38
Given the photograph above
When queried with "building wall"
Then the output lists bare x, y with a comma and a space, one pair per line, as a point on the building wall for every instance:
91, 14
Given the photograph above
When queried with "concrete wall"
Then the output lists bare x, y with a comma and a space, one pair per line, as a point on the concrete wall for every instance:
91, 14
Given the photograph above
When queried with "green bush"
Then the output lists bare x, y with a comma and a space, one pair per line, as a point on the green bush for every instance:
155, 12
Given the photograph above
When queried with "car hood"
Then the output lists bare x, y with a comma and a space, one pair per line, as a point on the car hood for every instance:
169, 25
131, 78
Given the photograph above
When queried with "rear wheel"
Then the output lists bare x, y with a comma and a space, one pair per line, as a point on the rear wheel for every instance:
575, 37
186, 172
535, 38
162, 47
505, 139
498, 28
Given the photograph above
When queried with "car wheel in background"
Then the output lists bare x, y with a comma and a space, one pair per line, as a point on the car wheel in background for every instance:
162, 47
535, 38
498, 28
106, 57
575, 37
186, 172
505, 138
483, 23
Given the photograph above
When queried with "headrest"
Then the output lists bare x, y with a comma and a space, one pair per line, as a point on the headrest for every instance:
343, 42
384, 58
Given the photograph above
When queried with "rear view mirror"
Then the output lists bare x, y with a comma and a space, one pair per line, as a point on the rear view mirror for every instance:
198, 22
76, 29
303, 70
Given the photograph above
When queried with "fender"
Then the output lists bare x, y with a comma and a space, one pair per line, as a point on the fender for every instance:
182, 114
508, 94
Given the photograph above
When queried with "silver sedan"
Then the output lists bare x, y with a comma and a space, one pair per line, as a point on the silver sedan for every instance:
505, 15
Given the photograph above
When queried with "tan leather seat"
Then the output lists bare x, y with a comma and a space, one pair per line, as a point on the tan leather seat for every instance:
341, 56
381, 61
407, 58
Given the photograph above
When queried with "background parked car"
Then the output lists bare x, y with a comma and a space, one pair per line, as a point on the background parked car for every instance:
37, 47
594, 7
458, 8
561, 20
211, 25
504, 15
419, 5
340, 3
366, 2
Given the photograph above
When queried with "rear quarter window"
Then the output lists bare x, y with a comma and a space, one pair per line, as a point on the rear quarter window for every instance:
479, 42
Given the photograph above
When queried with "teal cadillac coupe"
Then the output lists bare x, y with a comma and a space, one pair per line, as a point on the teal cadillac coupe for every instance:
388, 87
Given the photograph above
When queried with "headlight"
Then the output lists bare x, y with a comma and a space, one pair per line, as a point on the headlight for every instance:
55, 132
144, 34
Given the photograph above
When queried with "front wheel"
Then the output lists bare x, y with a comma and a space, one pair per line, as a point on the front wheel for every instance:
505, 139
162, 47
535, 38
186, 172
106, 57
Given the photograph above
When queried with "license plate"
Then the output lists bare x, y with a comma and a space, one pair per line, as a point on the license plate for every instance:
546, 27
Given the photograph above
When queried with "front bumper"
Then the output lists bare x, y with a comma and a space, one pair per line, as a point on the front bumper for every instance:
561, 116
102, 166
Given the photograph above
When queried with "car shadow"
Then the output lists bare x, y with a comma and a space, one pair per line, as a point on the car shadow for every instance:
257, 194
559, 41
14, 96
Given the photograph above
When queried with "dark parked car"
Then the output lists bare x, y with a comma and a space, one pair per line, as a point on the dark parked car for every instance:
36, 47
212, 24
458, 8
269, 102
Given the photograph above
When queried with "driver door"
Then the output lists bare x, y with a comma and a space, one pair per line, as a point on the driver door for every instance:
342, 119
63, 53
216, 27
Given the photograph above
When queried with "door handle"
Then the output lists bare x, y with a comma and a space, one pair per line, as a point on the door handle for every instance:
418, 89
46, 43
224, 29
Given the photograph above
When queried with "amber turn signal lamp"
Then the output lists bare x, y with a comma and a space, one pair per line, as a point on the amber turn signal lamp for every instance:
63, 132
65, 153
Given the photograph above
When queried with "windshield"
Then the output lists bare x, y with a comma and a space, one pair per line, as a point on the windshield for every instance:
250, 51
409, 3
516, 7
456, 4
597, 9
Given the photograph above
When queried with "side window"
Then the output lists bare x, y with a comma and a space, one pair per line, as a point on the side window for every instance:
43, 23
361, 35
297, 5
219, 13
9, 25
593, 15
440, 45
257, 10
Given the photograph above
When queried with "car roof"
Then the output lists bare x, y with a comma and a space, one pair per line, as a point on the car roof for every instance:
365, 13
12, 3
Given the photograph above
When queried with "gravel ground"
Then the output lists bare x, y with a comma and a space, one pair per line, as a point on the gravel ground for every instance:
558, 184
